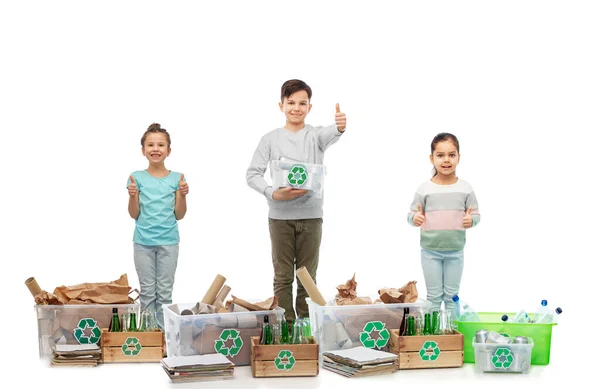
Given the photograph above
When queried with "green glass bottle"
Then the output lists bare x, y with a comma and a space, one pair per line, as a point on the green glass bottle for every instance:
427, 325
132, 321
115, 325
435, 323
143, 321
266, 336
411, 326
285, 332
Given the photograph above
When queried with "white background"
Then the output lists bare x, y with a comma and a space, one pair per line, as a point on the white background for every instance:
516, 81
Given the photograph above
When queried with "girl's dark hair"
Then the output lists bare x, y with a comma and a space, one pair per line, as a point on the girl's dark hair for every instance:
292, 86
443, 137
155, 127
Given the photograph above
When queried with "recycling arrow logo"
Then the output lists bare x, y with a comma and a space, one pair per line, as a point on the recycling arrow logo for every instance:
429, 351
84, 324
285, 360
131, 347
368, 341
502, 358
225, 336
297, 175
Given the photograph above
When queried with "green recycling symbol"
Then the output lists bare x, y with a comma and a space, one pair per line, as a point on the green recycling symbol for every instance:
429, 351
90, 323
280, 361
225, 336
502, 358
135, 348
297, 175
365, 335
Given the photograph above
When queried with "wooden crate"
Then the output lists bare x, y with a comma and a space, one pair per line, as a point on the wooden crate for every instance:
418, 352
120, 347
270, 360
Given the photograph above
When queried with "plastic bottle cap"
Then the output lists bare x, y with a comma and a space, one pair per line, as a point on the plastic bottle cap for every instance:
544, 303
266, 318
455, 298
115, 310
559, 310
504, 318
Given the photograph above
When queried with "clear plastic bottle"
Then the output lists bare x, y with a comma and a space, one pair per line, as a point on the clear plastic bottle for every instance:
463, 311
551, 318
520, 317
542, 311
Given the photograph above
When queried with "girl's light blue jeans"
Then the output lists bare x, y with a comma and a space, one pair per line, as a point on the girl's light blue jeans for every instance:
155, 266
442, 271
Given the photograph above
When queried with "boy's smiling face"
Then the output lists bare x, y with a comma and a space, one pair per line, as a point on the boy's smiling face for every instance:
295, 108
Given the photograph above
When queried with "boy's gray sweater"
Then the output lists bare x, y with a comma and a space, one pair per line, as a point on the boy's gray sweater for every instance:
307, 145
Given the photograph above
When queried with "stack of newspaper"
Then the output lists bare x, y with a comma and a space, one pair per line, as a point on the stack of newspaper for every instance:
198, 368
76, 355
360, 361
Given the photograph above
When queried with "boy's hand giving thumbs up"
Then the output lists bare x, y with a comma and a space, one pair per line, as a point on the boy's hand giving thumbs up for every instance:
340, 119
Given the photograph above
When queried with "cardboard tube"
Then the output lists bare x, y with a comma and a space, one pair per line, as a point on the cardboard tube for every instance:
310, 286
33, 286
214, 289
221, 296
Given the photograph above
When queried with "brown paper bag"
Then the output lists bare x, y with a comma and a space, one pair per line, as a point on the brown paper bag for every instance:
114, 292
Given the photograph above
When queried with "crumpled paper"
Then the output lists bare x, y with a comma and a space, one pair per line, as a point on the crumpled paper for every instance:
347, 294
406, 294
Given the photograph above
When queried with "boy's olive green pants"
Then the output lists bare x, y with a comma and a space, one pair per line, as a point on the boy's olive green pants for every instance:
294, 243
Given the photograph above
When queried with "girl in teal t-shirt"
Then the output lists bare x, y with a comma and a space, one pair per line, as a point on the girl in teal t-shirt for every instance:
157, 199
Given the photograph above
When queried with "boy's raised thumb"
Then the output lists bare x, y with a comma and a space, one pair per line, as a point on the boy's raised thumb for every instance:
181, 178
469, 210
419, 208
131, 179
337, 108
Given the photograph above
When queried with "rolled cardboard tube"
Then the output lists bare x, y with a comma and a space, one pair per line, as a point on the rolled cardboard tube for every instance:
33, 286
310, 286
214, 289
221, 296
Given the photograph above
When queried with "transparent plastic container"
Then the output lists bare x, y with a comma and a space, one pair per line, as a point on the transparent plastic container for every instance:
337, 327
226, 333
503, 358
299, 175
73, 324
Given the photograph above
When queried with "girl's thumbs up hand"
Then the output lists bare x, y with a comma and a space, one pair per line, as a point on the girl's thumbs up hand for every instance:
340, 119
468, 219
183, 186
419, 217
132, 187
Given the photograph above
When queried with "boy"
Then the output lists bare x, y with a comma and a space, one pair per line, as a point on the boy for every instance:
295, 216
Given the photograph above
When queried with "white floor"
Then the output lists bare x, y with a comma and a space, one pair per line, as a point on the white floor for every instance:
152, 376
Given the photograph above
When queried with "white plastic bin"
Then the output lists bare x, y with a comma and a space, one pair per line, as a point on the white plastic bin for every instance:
226, 333
338, 327
73, 324
503, 358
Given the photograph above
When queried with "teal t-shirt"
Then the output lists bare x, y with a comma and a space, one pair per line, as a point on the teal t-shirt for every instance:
156, 225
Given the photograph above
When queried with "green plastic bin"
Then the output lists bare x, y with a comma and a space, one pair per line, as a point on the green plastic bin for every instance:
492, 321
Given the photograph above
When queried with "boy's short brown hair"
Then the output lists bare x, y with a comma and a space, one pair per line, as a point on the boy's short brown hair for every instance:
292, 86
